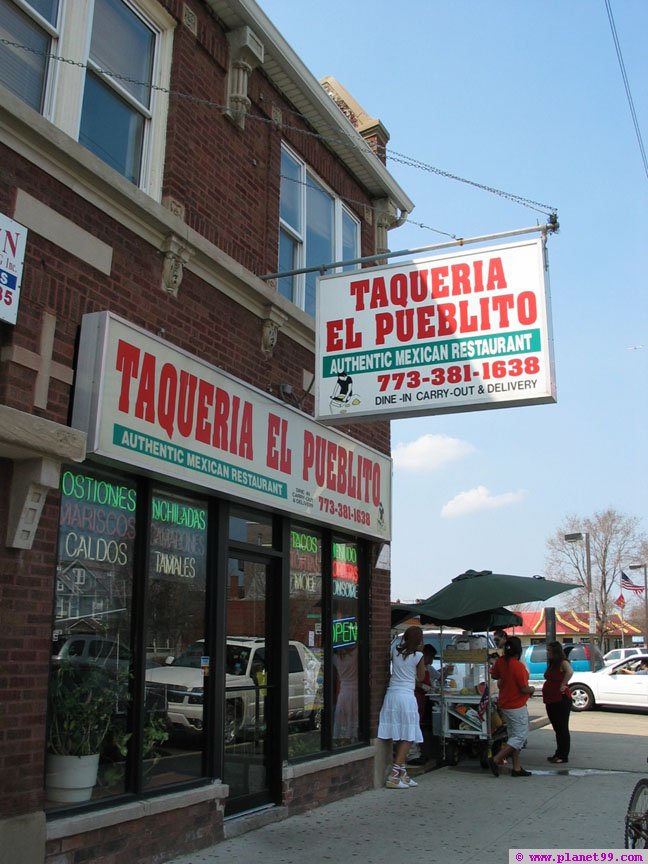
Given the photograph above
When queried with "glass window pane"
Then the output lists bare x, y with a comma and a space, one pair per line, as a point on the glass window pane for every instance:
305, 632
91, 661
122, 43
287, 261
250, 526
23, 71
350, 247
47, 8
319, 236
177, 665
111, 129
345, 642
291, 192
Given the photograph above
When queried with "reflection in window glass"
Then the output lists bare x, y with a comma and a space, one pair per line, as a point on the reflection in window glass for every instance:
177, 668
111, 129
345, 606
122, 43
319, 236
350, 245
250, 526
91, 660
306, 675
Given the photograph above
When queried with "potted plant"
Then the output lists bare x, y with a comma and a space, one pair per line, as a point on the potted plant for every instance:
82, 704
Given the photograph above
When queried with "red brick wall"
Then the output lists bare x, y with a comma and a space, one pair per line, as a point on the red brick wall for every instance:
139, 840
333, 784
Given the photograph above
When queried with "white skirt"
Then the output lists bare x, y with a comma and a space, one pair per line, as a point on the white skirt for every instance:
399, 717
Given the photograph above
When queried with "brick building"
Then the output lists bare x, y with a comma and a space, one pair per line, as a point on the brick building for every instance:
183, 548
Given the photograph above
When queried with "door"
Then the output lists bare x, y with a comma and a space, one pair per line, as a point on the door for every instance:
252, 764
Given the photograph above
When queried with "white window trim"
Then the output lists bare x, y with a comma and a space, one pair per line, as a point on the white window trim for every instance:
338, 208
64, 87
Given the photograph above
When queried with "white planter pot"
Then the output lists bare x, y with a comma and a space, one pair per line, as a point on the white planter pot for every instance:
70, 778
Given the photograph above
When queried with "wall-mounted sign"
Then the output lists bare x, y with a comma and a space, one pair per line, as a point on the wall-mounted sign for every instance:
13, 241
145, 403
463, 332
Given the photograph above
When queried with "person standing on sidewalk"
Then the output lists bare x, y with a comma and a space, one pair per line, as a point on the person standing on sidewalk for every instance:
557, 698
399, 715
514, 691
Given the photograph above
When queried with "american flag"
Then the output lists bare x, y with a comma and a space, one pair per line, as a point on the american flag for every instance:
628, 585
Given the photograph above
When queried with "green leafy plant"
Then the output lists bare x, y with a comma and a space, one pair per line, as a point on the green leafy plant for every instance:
82, 703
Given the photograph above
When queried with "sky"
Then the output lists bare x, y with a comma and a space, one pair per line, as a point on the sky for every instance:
527, 98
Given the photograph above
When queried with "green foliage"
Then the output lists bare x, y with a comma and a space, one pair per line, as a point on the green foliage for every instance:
82, 703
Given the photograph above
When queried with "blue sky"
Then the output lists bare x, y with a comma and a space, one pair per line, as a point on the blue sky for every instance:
527, 98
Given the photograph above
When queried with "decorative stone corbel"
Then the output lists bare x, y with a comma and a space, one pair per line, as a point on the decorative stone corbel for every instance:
385, 220
176, 257
31, 480
246, 52
272, 323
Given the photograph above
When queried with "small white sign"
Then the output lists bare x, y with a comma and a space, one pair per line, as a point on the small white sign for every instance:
13, 241
464, 332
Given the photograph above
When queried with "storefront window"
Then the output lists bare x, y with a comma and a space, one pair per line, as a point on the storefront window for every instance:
91, 668
177, 665
306, 669
345, 618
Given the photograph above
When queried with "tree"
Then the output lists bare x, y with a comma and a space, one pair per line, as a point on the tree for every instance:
615, 541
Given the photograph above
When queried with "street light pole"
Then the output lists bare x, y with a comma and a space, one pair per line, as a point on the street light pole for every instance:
576, 538
644, 567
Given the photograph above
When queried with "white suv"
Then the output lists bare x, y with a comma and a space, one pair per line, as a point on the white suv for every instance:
245, 668
621, 654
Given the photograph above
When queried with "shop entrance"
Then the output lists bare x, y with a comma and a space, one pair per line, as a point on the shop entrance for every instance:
251, 758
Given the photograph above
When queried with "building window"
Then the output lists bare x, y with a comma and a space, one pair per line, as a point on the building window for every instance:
316, 228
120, 117
346, 617
305, 630
24, 70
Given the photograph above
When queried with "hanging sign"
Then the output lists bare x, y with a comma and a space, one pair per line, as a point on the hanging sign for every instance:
13, 240
467, 331
145, 403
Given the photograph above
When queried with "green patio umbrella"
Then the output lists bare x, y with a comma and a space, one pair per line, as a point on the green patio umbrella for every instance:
474, 592
486, 619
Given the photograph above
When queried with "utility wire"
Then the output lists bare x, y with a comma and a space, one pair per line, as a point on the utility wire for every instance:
626, 84
339, 137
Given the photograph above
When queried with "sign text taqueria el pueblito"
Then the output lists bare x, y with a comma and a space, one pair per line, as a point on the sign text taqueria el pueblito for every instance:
462, 332
145, 403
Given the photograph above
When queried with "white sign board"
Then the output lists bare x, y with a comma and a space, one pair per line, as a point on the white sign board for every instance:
464, 332
13, 241
147, 404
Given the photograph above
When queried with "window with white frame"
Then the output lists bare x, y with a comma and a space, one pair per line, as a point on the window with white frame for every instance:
316, 228
109, 96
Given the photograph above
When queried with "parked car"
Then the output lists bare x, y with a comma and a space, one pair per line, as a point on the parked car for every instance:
620, 654
182, 678
612, 685
534, 658
87, 650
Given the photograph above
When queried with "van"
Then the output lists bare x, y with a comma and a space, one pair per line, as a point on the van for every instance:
578, 654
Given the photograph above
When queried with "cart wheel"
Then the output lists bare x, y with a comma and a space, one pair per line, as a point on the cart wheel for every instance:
483, 758
452, 754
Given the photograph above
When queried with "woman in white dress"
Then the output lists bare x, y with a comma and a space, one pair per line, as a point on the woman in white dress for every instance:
399, 716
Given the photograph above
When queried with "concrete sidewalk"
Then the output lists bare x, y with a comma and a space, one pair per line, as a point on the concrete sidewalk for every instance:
465, 814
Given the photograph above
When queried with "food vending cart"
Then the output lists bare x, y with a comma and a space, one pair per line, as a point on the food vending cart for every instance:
464, 709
